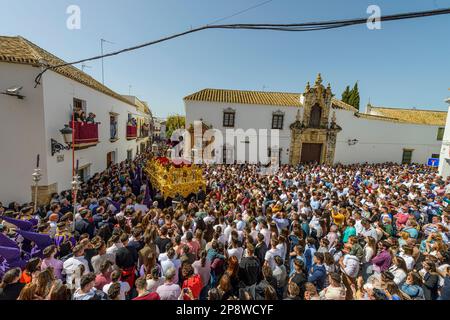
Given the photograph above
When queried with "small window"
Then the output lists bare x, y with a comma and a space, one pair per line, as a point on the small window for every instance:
315, 117
228, 119
79, 104
407, 156
84, 173
277, 121
130, 154
440, 134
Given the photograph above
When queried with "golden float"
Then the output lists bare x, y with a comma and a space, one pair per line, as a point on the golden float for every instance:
175, 178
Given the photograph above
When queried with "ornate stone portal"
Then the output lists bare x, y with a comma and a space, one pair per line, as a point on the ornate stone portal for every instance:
313, 135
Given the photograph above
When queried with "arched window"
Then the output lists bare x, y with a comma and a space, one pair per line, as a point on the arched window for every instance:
316, 114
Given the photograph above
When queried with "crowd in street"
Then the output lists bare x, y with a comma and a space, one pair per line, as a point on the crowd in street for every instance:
307, 232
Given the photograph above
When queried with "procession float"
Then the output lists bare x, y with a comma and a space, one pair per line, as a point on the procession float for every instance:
174, 177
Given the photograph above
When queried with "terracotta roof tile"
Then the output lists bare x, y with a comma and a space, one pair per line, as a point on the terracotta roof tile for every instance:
415, 116
20, 50
247, 97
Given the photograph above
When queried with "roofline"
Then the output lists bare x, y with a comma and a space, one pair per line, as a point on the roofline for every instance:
409, 109
255, 91
28, 42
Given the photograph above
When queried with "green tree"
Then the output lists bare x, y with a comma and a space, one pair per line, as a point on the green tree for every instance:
346, 94
354, 99
173, 123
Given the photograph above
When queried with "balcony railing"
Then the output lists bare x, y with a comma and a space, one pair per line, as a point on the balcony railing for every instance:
131, 132
85, 134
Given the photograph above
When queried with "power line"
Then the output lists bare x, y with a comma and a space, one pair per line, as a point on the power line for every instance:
295, 27
240, 12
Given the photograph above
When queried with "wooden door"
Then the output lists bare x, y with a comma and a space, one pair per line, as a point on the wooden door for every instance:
109, 159
311, 152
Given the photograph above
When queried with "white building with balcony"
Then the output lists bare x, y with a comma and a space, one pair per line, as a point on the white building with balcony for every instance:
31, 119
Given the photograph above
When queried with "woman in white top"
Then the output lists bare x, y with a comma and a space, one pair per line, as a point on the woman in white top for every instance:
399, 270
235, 249
369, 252
154, 280
124, 286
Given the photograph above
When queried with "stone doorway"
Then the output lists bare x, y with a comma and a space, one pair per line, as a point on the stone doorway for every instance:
311, 152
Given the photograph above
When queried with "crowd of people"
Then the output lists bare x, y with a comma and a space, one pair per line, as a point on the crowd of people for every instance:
307, 232
80, 116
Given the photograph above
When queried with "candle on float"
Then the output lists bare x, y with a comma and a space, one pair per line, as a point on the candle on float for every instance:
37, 161
77, 166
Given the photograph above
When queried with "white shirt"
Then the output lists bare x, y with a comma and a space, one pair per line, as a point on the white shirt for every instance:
408, 260
71, 268
270, 257
358, 226
167, 264
237, 252
351, 264
124, 288
266, 233
169, 291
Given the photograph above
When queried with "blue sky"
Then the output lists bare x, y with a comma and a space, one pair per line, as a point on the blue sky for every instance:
406, 64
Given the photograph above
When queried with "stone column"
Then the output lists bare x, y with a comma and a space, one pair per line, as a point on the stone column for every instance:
296, 147
331, 147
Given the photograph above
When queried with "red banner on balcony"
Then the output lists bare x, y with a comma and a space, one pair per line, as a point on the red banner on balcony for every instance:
86, 134
131, 132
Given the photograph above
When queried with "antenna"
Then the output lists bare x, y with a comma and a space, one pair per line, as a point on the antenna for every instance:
103, 67
84, 66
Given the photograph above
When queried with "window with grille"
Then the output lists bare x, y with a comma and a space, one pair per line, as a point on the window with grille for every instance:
407, 156
440, 134
277, 121
316, 114
228, 119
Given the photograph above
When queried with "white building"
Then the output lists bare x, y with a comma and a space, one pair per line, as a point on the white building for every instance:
160, 128
314, 126
444, 163
31, 126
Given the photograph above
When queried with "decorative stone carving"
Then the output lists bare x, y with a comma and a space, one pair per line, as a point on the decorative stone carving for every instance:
325, 134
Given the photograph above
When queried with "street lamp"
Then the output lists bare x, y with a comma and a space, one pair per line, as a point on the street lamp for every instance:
67, 133
75, 187
36, 178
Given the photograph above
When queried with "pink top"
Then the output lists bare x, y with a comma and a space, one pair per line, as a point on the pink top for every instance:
56, 264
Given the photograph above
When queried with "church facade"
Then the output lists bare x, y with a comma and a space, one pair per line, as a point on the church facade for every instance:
313, 136
314, 126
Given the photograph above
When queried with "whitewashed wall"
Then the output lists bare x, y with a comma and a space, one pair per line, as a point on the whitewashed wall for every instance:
382, 141
27, 126
22, 134
444, 163
247, 116
58, 98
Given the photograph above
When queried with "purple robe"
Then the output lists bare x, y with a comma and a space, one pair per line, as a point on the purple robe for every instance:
7, 242
62, 237
21, 224
42, 241
12, 258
